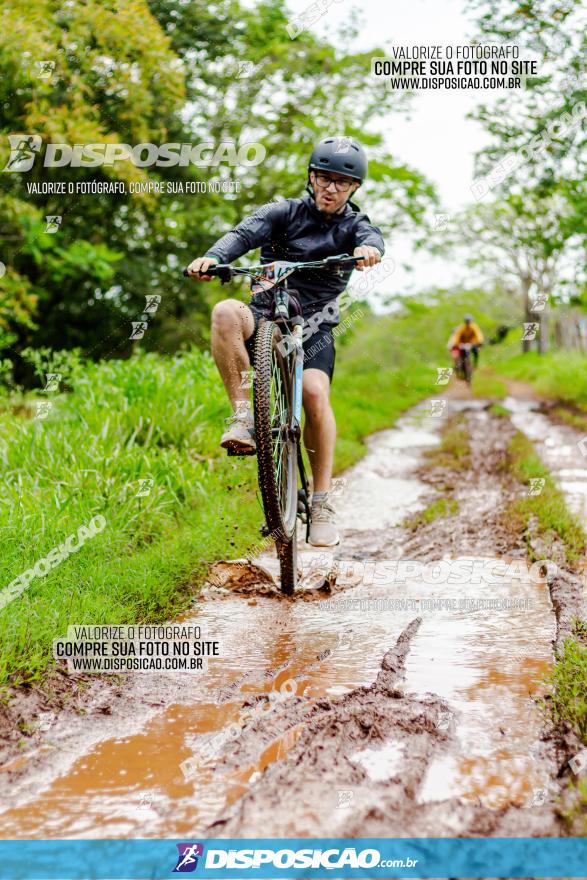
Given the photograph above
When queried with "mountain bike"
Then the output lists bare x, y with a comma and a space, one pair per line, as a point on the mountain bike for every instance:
278, 362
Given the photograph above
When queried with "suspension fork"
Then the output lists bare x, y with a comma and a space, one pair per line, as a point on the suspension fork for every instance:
298, 371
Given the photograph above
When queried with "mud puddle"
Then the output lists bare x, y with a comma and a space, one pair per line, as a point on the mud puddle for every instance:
384, 695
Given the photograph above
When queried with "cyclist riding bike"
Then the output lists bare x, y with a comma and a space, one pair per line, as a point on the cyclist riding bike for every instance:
467, 333
322, 223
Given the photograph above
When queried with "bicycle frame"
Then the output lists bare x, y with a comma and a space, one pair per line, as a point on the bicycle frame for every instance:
273, 276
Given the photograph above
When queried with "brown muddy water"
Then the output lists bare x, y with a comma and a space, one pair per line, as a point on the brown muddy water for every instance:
155, 760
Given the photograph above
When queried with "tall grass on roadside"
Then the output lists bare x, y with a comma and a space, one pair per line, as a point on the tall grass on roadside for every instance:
148, 418
556, 374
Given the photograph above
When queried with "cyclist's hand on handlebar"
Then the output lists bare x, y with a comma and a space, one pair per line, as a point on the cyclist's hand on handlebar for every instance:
197, 268
370, 254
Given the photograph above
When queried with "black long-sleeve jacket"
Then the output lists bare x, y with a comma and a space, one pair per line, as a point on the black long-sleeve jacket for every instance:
294, 229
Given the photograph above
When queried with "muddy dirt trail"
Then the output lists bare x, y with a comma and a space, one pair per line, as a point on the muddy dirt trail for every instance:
387, 698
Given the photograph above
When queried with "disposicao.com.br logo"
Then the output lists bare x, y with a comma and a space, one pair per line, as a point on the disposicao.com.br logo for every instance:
24, 149
187, 857
329, 859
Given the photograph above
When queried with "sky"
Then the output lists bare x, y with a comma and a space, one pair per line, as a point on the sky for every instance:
437, 139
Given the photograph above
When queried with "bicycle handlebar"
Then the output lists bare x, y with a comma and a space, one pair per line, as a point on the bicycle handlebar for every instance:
225, 271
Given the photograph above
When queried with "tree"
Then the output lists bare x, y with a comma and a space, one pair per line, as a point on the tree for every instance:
166, 71
529, 224
527, 241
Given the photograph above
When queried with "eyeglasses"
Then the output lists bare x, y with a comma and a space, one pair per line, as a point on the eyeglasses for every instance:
324, 181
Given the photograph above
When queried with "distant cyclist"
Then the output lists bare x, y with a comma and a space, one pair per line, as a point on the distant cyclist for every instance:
467, 333
324, 222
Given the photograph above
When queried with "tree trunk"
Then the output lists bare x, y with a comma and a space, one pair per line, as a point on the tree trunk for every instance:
543, 340
529, 316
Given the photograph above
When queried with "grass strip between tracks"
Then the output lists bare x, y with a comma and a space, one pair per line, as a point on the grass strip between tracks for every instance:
552, 521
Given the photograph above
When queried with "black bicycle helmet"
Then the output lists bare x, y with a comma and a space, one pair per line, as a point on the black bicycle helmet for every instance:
342, 155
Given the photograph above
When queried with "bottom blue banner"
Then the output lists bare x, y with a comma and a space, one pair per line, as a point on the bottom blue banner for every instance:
296, 857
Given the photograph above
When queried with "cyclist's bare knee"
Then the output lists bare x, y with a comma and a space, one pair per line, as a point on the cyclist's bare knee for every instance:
315, 393
231, 319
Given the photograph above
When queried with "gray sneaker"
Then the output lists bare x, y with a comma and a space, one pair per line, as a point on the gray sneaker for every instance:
238, 437
323, 530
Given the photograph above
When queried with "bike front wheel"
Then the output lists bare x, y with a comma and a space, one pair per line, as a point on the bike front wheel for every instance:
276, 446
468, 370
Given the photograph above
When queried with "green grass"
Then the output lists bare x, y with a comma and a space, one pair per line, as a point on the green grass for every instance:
568, 698
559, 374
379, 375
125, 421
497, 409
487, 384
454, 452
573, 417
548, 511
576, 815
440, 508
567, 703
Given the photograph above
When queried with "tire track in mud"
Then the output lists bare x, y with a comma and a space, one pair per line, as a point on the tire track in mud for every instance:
389, 733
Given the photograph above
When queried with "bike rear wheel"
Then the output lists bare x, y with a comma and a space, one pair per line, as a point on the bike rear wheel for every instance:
276, 447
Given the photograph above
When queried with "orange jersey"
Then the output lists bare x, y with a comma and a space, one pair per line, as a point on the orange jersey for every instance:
467, 334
